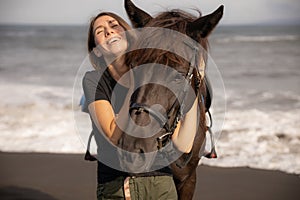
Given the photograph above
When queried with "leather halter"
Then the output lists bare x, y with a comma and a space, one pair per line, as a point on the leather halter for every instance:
163, 119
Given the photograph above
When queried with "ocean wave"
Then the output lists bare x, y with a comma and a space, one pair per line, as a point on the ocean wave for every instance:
262, 38
42, 122
257, 139
267, 101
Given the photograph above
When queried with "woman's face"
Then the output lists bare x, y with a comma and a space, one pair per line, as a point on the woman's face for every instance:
110, 35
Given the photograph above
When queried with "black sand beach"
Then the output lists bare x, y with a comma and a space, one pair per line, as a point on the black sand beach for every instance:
38, 176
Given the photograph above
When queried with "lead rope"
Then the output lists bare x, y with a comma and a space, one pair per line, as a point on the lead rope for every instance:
212, 153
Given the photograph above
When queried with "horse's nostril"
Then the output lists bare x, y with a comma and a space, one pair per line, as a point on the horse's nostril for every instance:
139, 150
138, 112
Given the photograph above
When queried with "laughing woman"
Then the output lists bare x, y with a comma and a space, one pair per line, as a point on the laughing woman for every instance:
107, 42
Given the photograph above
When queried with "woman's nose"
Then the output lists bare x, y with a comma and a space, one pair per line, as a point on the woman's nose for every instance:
109, 31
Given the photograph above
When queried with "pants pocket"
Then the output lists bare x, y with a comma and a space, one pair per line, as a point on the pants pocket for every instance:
111, 190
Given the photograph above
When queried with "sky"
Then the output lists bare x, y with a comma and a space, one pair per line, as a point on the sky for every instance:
73, 12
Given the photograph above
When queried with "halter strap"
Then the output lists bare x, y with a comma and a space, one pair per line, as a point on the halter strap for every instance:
144, 108
162, 140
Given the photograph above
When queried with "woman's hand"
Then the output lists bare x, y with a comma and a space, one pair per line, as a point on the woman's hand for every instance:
184, 134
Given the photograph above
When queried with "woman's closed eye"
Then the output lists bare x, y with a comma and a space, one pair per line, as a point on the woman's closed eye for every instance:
114, 25
99, 32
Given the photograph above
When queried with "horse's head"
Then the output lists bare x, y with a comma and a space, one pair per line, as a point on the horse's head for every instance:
165, 61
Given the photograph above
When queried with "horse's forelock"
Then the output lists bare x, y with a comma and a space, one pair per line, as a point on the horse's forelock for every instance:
175, 20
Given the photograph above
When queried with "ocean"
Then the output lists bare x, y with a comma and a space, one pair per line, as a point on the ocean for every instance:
259, 67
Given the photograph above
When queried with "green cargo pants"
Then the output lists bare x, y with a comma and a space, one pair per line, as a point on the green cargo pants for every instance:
141, 188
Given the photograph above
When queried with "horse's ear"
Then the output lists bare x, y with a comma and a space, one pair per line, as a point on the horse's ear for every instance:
203, 26
138, 17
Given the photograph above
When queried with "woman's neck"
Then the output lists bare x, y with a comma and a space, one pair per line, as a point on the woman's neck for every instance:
117, 69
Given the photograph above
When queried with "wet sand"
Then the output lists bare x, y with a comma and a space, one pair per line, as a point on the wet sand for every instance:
38, 176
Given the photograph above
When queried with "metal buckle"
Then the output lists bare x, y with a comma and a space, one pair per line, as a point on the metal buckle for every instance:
163, 140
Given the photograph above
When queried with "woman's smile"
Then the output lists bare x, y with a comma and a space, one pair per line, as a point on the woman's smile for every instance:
113, 40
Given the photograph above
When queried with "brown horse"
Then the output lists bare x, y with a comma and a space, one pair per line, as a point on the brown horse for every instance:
164, 94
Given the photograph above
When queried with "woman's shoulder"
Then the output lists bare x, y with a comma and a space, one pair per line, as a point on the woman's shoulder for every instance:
90, 78
91, 74
95, 73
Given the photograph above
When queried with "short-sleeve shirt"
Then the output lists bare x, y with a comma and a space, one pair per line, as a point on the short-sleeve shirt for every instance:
99, 85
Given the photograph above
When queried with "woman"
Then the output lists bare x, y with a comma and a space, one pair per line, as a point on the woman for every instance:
106, 39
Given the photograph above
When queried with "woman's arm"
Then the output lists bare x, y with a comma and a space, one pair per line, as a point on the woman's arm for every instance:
102, 113
184, 134
103, 116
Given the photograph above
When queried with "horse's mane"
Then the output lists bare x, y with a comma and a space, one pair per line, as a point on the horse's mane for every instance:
175, 20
